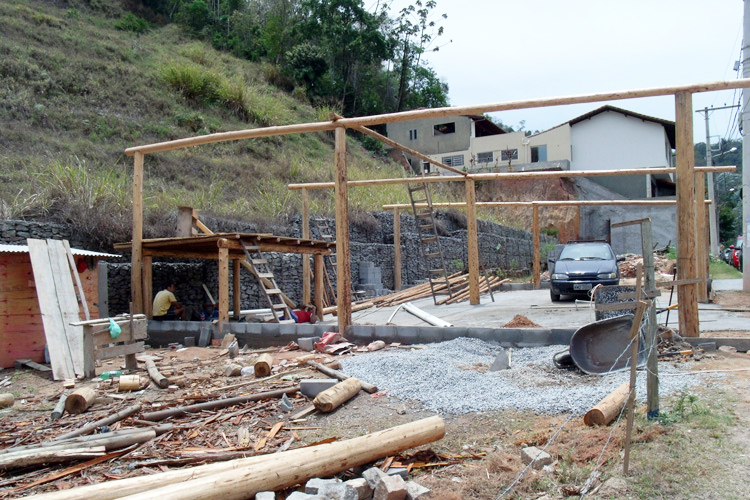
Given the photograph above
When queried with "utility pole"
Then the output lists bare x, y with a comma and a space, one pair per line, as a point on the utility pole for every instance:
713, 223
746, 145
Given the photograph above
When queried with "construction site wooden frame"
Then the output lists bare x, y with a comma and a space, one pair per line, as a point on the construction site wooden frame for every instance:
685, 170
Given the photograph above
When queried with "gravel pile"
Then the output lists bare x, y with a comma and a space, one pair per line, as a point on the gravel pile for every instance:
452, 378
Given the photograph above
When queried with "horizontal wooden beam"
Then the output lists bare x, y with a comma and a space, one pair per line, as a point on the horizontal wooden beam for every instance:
547, 174
419, 114
561, 203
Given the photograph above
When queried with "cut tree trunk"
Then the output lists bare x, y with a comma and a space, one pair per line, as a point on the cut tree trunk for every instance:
155, 375
263, 365
332, 398
80, 400
608, 408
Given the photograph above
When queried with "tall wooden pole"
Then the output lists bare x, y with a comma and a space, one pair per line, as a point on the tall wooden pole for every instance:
223, 281
320, 271
702, 238
652, 378
537, 250
396, 249
473, 242
136, 290
236, 288
687, 295
148, 283
343, 271
305, 257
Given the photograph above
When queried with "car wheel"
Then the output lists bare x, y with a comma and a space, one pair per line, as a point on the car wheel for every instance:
554, 297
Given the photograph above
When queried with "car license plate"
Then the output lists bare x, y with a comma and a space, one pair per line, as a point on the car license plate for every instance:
582, 286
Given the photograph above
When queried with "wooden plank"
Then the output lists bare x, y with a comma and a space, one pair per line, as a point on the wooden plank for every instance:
396, 249
223, 283
76, 279
343, 270
148, 286
119, 350
537, 250
68, 303
136, 290
472, 240
102, 337
306, 235
687, 295
54, 331
319, 289
701, 236
236, 287
560, 203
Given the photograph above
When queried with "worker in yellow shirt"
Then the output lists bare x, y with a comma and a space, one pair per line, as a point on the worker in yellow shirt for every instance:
166, 306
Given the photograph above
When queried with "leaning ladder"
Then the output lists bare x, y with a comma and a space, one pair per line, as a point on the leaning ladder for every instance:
325, 234
262, 270
429, 242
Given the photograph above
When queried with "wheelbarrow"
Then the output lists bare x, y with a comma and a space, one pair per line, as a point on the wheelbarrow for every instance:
604, 346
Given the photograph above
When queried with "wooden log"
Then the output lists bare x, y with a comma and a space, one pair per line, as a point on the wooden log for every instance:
155, 375
341, 376
608, 408
80, 400
59, 409
110, 440
303, 463
48, 456
6, 400
90, 427
263, 365
156, 416
332, 398
129, 383
232, 370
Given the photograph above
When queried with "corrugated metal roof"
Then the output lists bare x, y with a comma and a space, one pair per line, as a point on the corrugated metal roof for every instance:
5, 248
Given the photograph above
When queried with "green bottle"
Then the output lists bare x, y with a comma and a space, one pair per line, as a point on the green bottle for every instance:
110, 374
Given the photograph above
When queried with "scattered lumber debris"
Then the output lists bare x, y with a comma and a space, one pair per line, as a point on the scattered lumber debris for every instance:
459, 284
341, 376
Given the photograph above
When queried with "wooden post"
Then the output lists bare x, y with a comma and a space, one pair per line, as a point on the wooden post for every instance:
343, 271
185, 217
396, 249
686, 242
320, 271
473, 244
537, 251
634, 333
223, 281
236, 288
136, 290
148, 286
652, 377
305, 257
701, 230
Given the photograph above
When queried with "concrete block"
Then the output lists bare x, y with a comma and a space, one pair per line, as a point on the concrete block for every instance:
707, 346
305, 330
430, 334
541, 458
288, 329
298, 495
315, 484
361, 486
727, 348
253, 328
501, 361
311, 387
373, 475
237, 328
390, 488
189, 341
265, 495
338, 491
205, 336
399, 471
362, 333
306, 343
415, 491
155, 326
408, 334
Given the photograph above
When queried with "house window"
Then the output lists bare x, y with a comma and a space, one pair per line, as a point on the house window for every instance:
488, 157
413, 134
445, 128
509, 154
453, 161
538, 153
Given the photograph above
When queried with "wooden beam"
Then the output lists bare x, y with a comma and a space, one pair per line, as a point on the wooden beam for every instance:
305, 258
420, 114
702, 238
223, 282
537, 251
562, 203
547, 174
652, 377
343, 271
473, 241
136, 292
320, 271
396, 249
686, 242
148, 286
236, 287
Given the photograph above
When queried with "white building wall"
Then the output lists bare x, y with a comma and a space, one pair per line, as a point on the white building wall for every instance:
557, 141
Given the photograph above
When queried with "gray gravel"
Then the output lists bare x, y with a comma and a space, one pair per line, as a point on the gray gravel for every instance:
451, 378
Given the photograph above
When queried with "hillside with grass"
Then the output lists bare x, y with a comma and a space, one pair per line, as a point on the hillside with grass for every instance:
79, 83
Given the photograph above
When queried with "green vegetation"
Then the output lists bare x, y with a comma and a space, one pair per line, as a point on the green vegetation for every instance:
719, 269
79, 85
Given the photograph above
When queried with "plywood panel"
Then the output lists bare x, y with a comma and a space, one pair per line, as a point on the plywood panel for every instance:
68, 301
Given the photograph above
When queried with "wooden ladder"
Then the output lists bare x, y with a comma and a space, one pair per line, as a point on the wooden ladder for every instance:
325, 234
262, 270
429, 242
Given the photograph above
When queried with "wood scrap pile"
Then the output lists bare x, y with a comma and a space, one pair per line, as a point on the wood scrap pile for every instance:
459, 284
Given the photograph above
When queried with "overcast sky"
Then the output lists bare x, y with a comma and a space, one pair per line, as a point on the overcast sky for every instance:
511, 50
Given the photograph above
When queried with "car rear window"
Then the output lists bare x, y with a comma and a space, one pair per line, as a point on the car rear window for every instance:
594, 251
